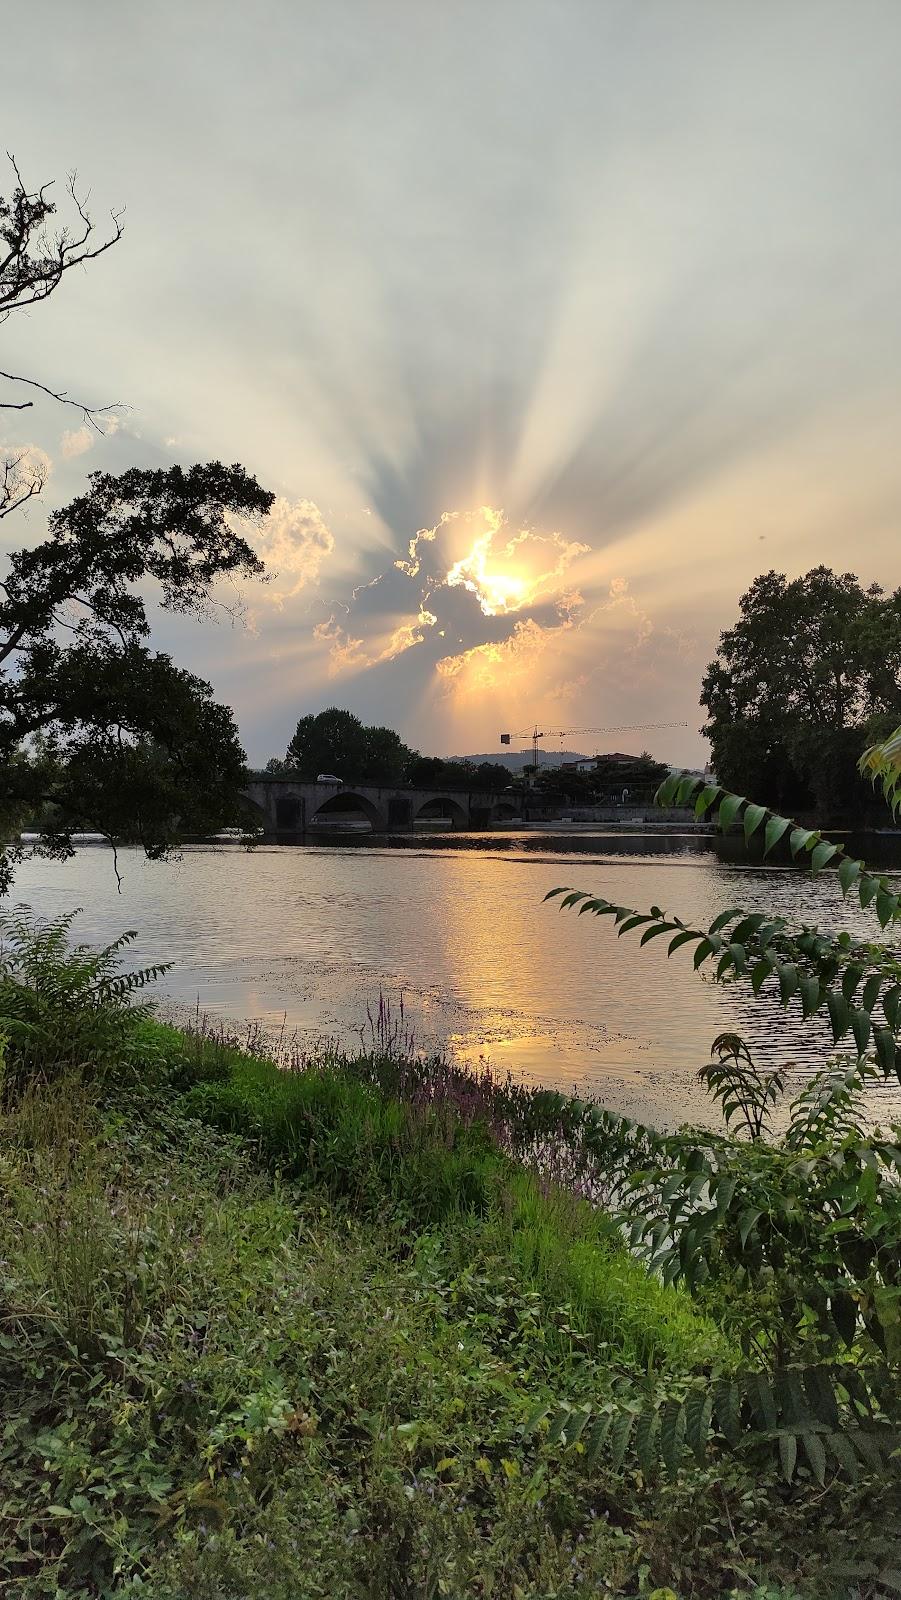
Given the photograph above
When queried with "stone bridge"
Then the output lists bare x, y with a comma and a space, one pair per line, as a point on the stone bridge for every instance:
286, 805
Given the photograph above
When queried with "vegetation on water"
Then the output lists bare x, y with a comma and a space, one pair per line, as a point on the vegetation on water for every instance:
372, 1327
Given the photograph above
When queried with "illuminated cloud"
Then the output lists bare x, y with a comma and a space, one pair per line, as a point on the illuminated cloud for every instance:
294, 543
75, 441
23, 466
348, 654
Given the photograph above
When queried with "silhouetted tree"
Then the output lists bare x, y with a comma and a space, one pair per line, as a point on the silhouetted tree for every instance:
97, 731
809, 671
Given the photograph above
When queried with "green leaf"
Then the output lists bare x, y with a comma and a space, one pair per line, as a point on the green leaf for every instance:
698, 1412
746, 1222
729, 808
597, 1437
843, 1451
705, 949
761, 972
821, 855
619, 1438
728, 1409
645, 1441
870, 992
839, 1014
706, 798
681, 938
773, 832
672, 1435
811, 995
886, 1053
724, 917
789, 978
761, 1397
815, 1453
861, 1028
535, 1418
686, 789
848, 871
577, 1423
788, 1455
752, 819
821, 1395
886, 907
558, 1424
668, 789
851, 978
801, 839
891, 1005
867, 889
655, 932
843, 1310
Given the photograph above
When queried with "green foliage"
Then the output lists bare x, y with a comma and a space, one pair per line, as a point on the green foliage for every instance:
66, 1006
337, 741
130, 745
216, 1385
796, 1243
811, 666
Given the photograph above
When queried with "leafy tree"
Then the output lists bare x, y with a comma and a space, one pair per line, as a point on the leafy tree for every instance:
97, 731
330, 741
131, 746
811, 667
425, 772
794, 1241
385, 756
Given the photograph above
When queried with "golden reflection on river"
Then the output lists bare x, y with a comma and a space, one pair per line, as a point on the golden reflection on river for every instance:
305, 938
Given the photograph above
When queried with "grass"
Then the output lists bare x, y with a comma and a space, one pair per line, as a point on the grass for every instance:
277, 1333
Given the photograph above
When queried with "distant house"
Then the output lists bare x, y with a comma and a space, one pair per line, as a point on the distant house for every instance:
615, 760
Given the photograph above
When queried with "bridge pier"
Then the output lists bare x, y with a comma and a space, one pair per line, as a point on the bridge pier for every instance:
290, 808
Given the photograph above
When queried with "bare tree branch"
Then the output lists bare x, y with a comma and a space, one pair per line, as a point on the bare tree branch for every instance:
90, 413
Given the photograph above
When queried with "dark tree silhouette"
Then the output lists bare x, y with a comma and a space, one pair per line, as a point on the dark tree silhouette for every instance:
809, 673
34, 259
97, 731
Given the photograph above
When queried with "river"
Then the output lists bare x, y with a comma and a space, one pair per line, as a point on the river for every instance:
305, 939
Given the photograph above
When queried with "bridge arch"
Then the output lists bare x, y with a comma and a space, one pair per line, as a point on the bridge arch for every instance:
346, 805
505, 810
439, 806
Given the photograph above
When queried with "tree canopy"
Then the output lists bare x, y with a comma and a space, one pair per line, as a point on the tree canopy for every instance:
336, 741
811, 669
98, 731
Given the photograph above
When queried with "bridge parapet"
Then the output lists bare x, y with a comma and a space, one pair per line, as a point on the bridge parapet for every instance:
289, 805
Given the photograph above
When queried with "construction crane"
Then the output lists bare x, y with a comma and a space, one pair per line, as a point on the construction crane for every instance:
535, 736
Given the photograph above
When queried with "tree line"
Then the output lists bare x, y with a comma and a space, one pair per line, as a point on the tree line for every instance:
335, 741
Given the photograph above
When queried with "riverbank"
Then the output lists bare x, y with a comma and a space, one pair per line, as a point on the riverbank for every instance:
312, 1334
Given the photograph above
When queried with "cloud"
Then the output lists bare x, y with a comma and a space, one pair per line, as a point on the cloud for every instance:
24, 469
506, 664
295, 542
350, 654
75, 441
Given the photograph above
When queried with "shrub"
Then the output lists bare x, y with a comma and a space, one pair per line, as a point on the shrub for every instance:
65, 1006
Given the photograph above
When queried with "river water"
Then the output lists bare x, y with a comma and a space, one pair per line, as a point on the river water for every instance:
305, 939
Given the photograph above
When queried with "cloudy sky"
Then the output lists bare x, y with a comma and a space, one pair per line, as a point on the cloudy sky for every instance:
550, 323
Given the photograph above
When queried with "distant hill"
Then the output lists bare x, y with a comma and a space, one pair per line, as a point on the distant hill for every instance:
515, 760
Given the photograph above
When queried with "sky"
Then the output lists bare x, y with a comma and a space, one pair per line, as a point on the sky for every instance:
550, 324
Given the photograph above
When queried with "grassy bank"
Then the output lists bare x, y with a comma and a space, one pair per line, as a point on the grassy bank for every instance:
294, 1333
